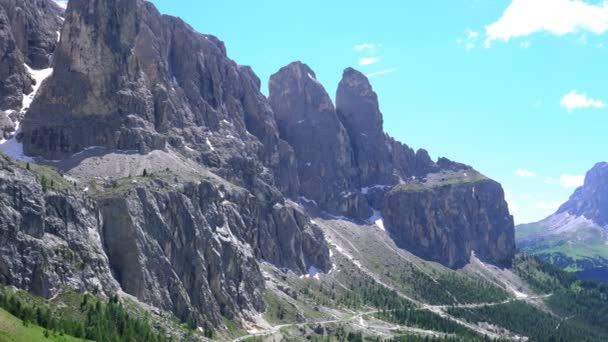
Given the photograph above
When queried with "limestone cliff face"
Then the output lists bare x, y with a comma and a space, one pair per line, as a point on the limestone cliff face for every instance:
192, 249
378, 158
308, 121
126, 77
50, 240
28, 35
450, 215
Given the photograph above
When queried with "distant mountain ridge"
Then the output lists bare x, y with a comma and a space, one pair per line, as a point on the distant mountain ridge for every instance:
576, 236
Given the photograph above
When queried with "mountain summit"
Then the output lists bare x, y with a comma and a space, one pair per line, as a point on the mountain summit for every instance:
591, 200
151, 167
576, 236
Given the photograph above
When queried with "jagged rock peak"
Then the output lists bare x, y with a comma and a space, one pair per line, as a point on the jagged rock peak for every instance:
591, 199
141, 81
357, 104
308, 121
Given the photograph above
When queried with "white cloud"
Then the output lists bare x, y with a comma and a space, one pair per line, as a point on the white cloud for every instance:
548, 205
469, 40
383, 72
368, 60
366, 46
560, 17
573, 100
525, 173
571, 181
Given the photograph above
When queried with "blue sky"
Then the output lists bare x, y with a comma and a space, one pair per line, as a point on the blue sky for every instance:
515, 88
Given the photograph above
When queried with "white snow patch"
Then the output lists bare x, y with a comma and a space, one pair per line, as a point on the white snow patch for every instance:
209, 144
377, 220
58, 36
301, 121
39, 76
12, 147
366, 190
309, 164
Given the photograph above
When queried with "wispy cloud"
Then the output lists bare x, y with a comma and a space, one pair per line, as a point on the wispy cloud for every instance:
525, 173
469, 41
571, 181
560, 17
383, 72
368, 60
574, 100
367, 46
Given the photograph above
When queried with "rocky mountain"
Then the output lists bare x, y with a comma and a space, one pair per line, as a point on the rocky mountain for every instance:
575, 237
150, 165
28, 37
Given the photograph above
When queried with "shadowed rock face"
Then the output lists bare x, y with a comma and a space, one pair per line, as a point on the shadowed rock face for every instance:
308, 121
451, 215
379, 159
28, 35
35, 25
192, 250
127, 78
591, 200
49, 240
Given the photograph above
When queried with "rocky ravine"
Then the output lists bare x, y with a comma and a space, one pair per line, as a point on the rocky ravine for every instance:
128, 81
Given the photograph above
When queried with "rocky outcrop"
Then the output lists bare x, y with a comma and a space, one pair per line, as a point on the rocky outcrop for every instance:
192, 249
591, 200
197, 249
450, 215
14, 79
308, 121
35, 26
49, 240
126, 77
28, 36
130, 81
379, 159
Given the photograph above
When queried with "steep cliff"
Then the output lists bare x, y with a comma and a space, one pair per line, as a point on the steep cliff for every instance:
129, 84
126, 77
378, 158
307, 120
192, 249
28, 36
450, 215
49, 239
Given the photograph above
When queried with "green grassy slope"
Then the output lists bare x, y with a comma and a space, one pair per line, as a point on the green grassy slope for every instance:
12, 329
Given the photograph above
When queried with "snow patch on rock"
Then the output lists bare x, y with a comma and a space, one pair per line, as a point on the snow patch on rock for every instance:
376, 219
12, 147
